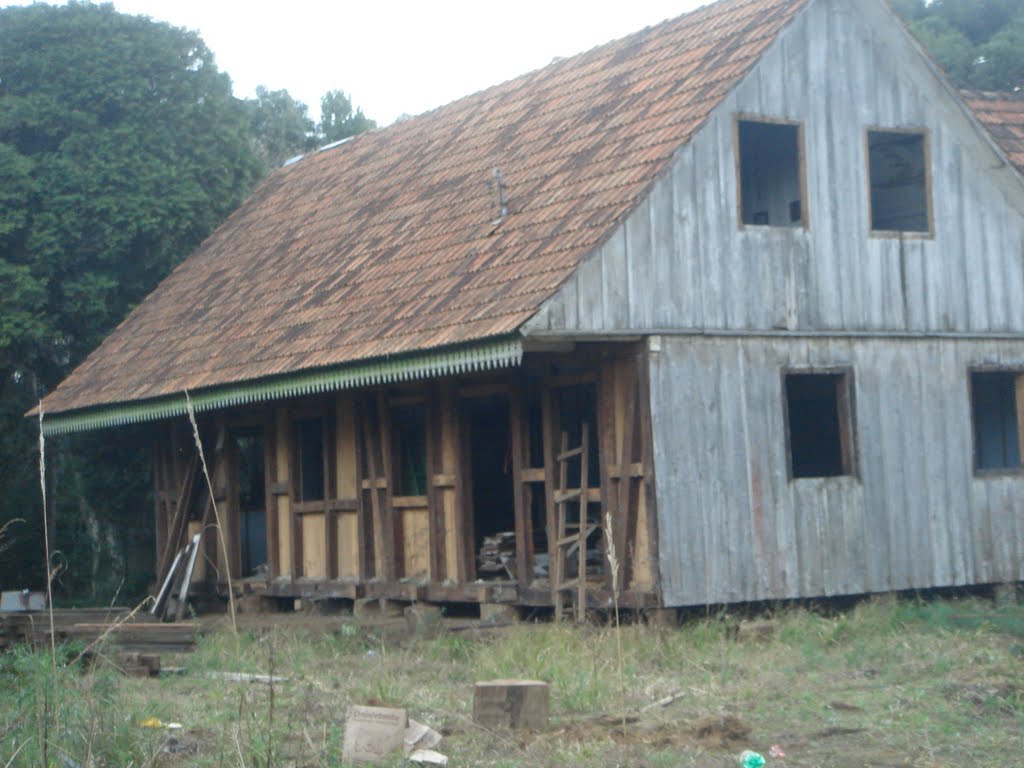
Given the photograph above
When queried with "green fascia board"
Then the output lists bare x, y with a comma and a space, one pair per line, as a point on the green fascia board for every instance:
504, 353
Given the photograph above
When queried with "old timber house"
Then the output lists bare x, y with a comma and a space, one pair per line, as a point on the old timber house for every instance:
741, 294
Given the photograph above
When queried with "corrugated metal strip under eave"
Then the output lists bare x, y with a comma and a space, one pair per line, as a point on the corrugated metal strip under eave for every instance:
497, 354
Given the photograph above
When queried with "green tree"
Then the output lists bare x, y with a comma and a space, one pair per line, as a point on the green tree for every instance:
121, 148
281, 126
337, 119
979, 43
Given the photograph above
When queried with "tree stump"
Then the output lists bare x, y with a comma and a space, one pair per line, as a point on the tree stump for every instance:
515, 704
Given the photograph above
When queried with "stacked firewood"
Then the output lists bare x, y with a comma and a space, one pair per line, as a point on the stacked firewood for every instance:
497, 556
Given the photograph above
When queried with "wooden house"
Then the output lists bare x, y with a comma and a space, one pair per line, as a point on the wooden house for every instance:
740, 295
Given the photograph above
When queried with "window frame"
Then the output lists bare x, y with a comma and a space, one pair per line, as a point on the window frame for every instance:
298, 417
847, 411
926, 142
1017, 371
801, 149
396, 445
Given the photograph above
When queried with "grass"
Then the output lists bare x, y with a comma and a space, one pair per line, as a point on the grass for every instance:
888, 683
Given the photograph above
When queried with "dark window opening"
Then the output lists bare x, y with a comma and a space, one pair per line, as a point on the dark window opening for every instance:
409, 449
770, 188
310, 462
899, 182
994, 412
818, 412
252, 501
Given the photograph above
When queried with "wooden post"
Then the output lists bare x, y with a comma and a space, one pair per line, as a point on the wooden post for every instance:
283, 465
549, 424
270, 437
350, 536
524, 524
436, 540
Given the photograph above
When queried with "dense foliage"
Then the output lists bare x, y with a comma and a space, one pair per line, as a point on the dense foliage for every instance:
121, 148
980, 43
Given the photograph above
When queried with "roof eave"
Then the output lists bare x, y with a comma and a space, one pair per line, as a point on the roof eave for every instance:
503, 352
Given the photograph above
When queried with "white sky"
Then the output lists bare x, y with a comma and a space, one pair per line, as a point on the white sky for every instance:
396, 56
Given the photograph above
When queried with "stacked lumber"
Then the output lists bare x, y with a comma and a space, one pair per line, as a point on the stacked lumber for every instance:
89, 624
143, 636
497, 556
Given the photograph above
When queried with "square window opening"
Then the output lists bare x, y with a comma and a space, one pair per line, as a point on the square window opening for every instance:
770, 177
899, 182
994, 412
818, 417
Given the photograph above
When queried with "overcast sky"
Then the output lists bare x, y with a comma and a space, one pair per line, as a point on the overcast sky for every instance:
400, 56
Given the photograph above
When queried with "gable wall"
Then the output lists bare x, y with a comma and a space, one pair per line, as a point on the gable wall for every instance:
681, 262
736, 307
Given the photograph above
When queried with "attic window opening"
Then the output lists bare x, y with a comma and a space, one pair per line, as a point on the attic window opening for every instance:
770, 174
819, 420
898, 171
995, 415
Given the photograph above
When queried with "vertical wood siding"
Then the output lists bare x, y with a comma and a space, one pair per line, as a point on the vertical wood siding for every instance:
734, 527
682, 261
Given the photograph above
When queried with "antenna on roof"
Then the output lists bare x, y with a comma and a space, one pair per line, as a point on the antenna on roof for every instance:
499, 182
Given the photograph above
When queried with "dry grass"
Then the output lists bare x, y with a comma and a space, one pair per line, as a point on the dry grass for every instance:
890, 683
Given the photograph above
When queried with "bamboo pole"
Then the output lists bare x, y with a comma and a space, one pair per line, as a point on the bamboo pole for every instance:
216, 514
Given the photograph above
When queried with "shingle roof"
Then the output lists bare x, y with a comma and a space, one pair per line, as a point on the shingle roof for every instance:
387, 243
1002, 113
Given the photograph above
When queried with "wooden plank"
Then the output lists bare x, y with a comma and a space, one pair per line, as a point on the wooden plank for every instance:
314, 532
394, 545
186, 578
435, 511
532, 475
413, 502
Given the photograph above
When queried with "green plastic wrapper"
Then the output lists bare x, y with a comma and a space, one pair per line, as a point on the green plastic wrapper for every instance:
751, 759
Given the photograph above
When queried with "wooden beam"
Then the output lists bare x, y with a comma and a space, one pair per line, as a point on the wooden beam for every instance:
284, 530
625, 520
370, 449
269, 481
348, 499
394, 545
647, 460
435, 496
523, 523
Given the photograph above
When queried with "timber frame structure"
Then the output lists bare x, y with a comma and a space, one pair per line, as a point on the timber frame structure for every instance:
754, 318
367, 534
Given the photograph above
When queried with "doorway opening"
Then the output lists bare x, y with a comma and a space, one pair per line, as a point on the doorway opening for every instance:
252, 507
492, 491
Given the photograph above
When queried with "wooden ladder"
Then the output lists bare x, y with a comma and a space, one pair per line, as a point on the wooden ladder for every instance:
571, 536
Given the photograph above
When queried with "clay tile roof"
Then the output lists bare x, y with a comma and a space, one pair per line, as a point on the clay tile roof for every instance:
1002, 113
386, 244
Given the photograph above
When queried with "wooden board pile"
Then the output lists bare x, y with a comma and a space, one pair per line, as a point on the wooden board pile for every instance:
497, 556
89, 624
